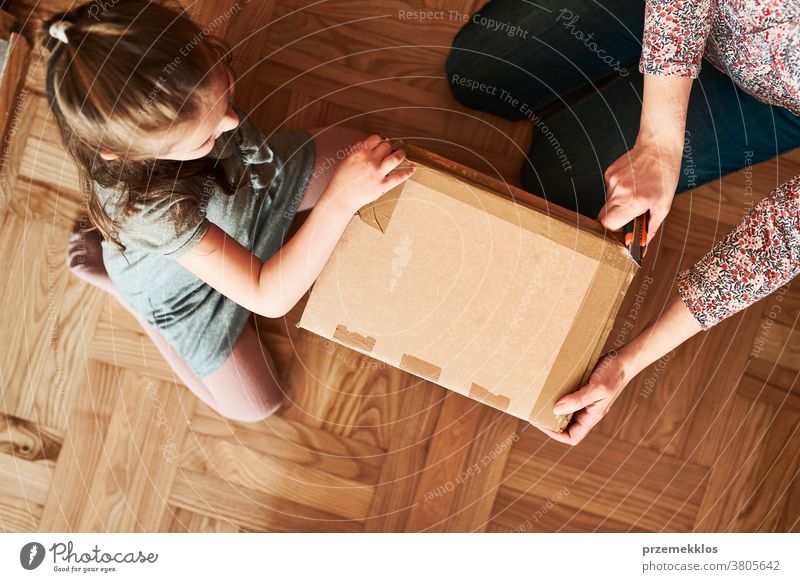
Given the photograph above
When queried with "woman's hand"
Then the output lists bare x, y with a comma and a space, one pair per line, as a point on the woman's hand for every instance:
674, 325
367, 172
591, 403
645, 178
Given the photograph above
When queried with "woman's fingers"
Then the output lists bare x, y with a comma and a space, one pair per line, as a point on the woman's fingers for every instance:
614, 216
657, 217
582, 398
578, 428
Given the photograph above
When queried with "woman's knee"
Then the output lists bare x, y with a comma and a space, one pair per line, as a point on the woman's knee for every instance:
468, 68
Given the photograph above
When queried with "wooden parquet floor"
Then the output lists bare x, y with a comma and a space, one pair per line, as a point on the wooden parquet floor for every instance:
96, 434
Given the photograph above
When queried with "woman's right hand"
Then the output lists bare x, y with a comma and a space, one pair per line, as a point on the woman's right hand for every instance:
645, 178
367, 172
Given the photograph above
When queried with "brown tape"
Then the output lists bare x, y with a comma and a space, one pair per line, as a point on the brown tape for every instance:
478, 392
353, 339
378, 213
420, 367
606, 289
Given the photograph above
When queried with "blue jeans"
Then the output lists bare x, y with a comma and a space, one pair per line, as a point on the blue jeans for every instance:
572, 67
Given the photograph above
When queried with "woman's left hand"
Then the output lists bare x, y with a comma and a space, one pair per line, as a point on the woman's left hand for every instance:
592, 402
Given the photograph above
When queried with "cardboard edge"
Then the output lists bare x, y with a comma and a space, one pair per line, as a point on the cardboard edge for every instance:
509, 191
522, 216
558, 382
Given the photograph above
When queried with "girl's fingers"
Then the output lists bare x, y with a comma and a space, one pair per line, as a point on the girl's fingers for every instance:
383, 149
370, 142
390, 162
397, 177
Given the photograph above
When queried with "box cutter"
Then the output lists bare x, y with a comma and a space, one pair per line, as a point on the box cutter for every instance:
636, 236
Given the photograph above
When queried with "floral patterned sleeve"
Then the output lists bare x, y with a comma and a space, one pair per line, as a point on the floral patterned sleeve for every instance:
757, 257
674, 37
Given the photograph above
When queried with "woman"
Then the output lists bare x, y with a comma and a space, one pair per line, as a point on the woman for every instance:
612, 139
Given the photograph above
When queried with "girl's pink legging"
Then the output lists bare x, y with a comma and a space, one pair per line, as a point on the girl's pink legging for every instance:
246, 386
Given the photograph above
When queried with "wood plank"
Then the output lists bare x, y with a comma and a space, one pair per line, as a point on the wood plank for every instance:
133, 479
305, 485
466, 459
608, 477
252, 510
87, 424
517, 513
185, 521
44, 312
296, 443
753, 473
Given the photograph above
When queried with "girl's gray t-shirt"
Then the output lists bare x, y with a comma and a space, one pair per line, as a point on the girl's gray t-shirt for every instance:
201, 323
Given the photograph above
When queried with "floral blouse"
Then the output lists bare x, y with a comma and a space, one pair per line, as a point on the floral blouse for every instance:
757, 43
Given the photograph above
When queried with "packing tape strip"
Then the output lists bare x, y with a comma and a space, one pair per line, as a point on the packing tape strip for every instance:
353, 339
564, 377
420, 367
378, 213
481, 394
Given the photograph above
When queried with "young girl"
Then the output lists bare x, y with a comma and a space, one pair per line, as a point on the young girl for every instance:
188, 202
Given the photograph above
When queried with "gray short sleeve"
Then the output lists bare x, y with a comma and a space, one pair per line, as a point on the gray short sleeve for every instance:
165, 226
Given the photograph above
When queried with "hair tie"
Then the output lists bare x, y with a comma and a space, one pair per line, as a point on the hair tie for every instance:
59, 30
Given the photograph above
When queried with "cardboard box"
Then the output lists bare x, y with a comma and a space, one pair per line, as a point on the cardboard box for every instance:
475, 285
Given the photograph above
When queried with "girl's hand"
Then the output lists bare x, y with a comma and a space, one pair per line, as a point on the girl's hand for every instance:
367, 172
591, 403
645, 178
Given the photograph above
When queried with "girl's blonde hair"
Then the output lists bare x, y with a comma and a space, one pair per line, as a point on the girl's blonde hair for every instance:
128, 67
